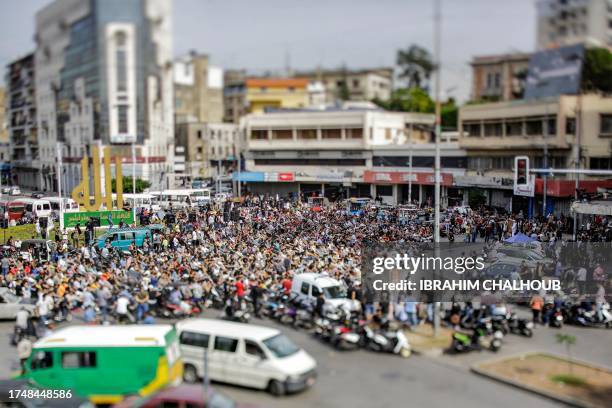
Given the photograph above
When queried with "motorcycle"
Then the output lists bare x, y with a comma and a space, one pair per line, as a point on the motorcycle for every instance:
384, 340
236, 312
482, 337
520, 326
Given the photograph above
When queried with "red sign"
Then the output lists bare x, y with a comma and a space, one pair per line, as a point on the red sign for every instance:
567, 188
278, 177
402, 177
285, 176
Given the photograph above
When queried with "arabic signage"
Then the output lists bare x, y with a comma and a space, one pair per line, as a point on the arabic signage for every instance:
400, 177
82, 217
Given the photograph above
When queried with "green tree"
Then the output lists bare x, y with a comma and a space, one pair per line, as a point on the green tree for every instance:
569, 341
449, 113
597, 70
141, 185
416, 65
408, 100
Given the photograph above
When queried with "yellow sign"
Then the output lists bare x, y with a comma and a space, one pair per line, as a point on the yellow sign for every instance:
80, 194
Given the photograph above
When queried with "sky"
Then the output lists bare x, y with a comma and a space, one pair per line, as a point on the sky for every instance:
264, 35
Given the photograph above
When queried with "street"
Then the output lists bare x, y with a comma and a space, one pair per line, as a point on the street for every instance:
365, 379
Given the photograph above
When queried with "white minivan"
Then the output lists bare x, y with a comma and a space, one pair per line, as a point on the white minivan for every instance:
244, 354
37, 207
306, 287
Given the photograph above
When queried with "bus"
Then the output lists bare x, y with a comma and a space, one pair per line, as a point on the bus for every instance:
16, 209
69, 205
183, 198
106, 363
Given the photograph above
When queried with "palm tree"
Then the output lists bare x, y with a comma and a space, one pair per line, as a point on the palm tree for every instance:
416, 65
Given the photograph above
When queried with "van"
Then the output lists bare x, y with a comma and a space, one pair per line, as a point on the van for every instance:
37, 207
122, 238
306, 287
106, 363
244, 354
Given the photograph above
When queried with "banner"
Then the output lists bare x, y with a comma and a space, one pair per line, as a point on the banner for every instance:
82, 217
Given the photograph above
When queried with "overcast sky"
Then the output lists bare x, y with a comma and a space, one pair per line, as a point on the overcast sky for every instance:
265, 34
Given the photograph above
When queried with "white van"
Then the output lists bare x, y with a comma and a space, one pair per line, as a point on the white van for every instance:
307, 287
38, 207
244, 354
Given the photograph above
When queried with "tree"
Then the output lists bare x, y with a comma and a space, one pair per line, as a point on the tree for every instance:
141, 185
408, 100
415, 65
597, 70
449, 113
569, 341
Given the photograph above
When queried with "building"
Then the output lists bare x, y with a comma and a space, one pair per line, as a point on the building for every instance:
104, 75
499, 77
5, 151
21, 120
276, 93
198, 90
354, 85
566, 22
339, 153
210, 149
493, 134
234, 95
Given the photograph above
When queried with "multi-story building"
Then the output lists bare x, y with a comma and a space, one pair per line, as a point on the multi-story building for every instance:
5, 152
198, 90
499, 77
276, 93
234, 95
565, 127
22, 124
341, 153
104, 75
566, 22
354, 85
211, 149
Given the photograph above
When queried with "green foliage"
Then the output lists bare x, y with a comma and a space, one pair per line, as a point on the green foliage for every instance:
597, 70
449, 114
569, 341
416, 65
141, 185
476, 198
569, 379
408, 100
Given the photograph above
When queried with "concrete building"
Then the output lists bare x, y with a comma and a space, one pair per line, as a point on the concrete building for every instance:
341, 153
234, 95
211, 149
22, 126
499, 77
5, 151
565, 22
198, 90
276, 93
356, 85
493, 134
104, 75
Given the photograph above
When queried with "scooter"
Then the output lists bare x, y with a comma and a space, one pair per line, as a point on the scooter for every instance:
386, 341
481, 338
520, 326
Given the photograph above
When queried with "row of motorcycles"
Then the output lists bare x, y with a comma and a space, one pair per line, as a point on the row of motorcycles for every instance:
342, 329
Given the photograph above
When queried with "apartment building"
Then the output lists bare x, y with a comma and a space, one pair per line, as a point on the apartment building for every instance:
499, 77
565, 127
354, 85
566, 22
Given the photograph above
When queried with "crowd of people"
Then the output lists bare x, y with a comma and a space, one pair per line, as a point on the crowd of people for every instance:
244, 247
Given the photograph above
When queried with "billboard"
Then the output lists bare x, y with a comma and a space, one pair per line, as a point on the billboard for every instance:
554, 72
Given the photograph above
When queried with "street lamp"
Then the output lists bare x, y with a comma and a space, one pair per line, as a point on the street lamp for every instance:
437, 46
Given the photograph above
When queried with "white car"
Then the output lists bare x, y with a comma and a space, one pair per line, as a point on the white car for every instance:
15, 191
11, 304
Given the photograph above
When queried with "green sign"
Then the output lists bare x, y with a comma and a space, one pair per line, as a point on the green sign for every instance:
82, 217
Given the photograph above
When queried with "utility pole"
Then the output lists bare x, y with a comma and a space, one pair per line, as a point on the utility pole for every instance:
59, 186
577, 159
134, 182
438, 67
545, 177
410, 164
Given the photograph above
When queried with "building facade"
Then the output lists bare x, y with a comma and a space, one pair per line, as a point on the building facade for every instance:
198, 90
566, 22
354, 85
104, 76
22, 126
5, 151
499, 77
210, 149
553, 132
340, 153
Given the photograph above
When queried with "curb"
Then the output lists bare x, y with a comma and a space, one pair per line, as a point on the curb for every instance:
433, 352
522, 386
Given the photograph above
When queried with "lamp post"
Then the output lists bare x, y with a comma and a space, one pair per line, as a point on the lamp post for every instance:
438, 66
59, 186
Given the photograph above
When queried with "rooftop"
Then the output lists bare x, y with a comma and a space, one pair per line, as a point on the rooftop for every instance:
276, 82
107, 336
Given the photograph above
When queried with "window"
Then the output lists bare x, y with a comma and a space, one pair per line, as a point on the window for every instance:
356, 133
194, 339
308, 134
331, 133
570, 126
121, 71
253, 349
199, 134
200, 149
259, 134
355, 83
514, 128
384, 190
605, 127
534, 127
305, 288
78, 359
601, 163
493, 129
122, 118
472, 129
226, 344
282, 134
551, 126
41, 360
315, 291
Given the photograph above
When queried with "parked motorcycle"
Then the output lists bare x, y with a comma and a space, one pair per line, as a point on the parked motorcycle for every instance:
385, 340
520, 326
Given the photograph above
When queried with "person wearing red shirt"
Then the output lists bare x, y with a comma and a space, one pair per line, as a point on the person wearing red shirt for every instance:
286, 282
239, 287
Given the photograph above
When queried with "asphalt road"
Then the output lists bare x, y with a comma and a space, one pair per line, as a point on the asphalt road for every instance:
366, 379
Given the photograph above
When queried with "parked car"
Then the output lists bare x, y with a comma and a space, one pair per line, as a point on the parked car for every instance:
11, 304
184, 395
15, 191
